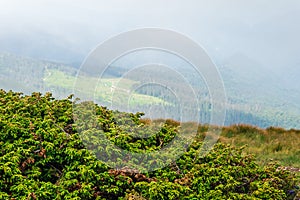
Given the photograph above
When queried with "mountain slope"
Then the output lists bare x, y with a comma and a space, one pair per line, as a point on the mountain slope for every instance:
253, 97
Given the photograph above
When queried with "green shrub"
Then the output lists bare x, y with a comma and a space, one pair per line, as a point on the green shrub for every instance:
43, 157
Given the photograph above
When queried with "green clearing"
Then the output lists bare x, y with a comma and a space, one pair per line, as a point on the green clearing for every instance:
107, 90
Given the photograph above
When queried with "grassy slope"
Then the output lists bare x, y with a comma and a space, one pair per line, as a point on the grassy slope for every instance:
274, 144
106, 90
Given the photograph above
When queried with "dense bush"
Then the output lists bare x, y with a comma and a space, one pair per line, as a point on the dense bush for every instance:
42, 156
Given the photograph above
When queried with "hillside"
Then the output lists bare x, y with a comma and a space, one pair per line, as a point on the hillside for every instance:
45, 155
29, 75
250, 101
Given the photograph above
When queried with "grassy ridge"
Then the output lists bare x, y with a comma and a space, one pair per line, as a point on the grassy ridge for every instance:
273, 143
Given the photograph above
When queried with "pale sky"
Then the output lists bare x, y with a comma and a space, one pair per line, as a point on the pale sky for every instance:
65, 30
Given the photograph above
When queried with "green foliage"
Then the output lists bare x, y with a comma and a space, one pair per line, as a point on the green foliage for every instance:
42, 156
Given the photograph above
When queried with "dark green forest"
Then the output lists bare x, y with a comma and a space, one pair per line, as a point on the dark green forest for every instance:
46, 154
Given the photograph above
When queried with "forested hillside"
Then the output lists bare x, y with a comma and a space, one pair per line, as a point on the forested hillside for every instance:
249, 100
43, 156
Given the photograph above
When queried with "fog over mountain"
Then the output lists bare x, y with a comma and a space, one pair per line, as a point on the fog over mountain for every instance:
255, 44
67, 30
